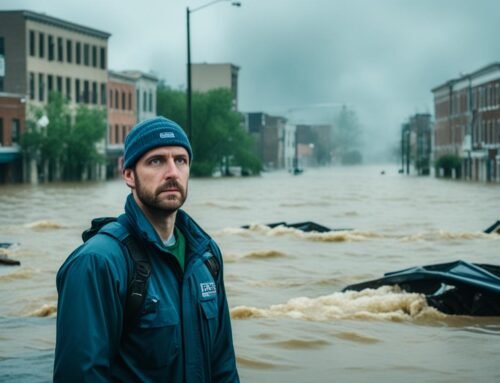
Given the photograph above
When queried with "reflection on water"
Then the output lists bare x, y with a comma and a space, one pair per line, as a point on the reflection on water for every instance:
290, 321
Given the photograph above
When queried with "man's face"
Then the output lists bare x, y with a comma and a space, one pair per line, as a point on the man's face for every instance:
160, 178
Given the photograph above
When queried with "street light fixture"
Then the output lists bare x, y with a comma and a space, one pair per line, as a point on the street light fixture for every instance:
189, 90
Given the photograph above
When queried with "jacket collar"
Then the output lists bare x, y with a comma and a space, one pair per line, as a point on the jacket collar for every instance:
197, 240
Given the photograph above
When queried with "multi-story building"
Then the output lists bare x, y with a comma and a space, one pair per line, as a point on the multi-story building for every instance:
416, 143
12, 120
467, 122
270, 136
41, 54
146, 85
205, 77
122, 117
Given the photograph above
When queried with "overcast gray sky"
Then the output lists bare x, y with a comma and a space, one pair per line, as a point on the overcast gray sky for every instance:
381, 57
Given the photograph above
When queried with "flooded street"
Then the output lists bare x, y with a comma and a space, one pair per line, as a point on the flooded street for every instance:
291, 323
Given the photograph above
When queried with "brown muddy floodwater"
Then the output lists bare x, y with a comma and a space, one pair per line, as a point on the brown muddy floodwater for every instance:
291, 323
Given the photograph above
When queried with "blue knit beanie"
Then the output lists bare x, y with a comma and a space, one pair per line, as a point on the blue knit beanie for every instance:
150, 134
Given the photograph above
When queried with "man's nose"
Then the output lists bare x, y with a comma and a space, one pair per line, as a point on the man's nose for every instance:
171, 170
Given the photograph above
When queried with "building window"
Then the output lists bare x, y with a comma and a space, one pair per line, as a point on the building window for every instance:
41, 45
94, 92
68, 88
145, 101
129, 100
32, 43
137, 102
103, 93
78, 53
77, 91
51, 48
117, 133
116, 99
86, 54
110, 98
59, 82
123, 101
32, 86
50, 83
16, 130
1, 132
60, 53
103, 58
86, 90
41, 86
69, 51
150, 101
94, 56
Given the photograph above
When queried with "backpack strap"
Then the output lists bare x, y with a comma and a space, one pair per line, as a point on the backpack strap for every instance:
137, 283
137, 287
213, 266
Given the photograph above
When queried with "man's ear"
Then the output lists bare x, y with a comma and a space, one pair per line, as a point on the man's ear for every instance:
129, 177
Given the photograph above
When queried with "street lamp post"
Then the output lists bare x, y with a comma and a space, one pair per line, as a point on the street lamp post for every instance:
189, 89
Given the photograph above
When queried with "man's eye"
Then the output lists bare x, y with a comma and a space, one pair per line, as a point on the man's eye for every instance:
155, 161
181, 160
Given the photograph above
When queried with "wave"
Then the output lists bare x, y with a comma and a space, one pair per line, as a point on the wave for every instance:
43, 224
24, 273
355, 235
357, 338
257, 364
384, 303
441, 235
218, 205
299, 344
44, 311
332, 236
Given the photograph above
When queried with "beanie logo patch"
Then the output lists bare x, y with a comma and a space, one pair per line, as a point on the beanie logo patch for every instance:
167, 135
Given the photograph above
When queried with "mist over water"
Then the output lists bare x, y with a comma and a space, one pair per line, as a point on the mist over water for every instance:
291, 322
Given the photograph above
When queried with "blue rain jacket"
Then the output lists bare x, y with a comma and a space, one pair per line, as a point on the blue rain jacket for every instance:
183, 333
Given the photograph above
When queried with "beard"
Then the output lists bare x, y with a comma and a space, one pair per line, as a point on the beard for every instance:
155, 201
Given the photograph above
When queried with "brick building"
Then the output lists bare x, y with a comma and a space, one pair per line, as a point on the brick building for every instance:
467, 122
12, 125
122, 117
145, 85
40, 54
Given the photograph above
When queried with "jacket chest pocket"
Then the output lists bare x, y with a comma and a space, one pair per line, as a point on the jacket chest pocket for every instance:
208, 314
156, 338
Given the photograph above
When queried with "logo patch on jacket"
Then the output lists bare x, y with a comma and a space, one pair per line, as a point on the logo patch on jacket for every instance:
208, 289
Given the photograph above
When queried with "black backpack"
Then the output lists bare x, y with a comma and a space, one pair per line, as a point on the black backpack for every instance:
137, 284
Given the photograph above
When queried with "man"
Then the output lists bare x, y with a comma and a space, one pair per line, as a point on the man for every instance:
182, 332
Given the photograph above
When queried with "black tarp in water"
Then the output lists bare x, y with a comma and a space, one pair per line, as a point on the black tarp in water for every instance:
457, 288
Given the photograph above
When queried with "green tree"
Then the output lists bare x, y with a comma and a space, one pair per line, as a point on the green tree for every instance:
89, 129
59, 146
45, 142
217, 136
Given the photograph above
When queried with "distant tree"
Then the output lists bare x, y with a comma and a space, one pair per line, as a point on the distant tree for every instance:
346, 133
85, 134
448, 163
217, 136
46, 141
59, 146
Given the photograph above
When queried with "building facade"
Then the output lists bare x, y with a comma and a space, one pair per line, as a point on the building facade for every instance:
270, 137
12, 121
122, 116
40, 54
205, 77
467, 123
146, 85
416, 144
